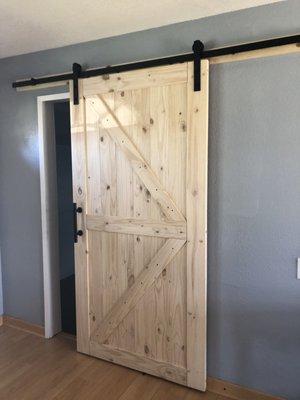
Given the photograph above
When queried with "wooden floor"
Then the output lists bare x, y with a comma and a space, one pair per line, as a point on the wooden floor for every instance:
33, 368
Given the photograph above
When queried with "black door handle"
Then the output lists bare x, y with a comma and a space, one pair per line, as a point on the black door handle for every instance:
76, 232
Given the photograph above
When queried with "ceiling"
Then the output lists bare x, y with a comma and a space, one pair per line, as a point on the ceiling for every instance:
33, 25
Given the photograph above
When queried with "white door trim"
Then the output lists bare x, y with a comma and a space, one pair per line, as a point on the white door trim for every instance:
49, 214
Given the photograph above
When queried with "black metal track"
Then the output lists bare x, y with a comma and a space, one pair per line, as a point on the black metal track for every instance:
162, 61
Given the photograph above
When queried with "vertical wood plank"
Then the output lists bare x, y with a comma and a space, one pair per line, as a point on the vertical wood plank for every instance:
141, 138
108, 263
94, 206
78, 143
123, 111
142, 206
168, 160
174, 279
156, 337
196, 197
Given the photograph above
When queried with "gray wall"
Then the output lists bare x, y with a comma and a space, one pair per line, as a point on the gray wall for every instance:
254, 224
254, 207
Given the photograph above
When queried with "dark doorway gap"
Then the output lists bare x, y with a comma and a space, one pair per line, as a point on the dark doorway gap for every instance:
65, 216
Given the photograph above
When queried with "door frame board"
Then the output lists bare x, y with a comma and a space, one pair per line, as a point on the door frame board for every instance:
49, 214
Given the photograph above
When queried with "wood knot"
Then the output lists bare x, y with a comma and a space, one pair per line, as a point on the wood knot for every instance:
146, 349
131, 280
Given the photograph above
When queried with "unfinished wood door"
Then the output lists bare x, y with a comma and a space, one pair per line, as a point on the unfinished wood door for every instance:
139, 151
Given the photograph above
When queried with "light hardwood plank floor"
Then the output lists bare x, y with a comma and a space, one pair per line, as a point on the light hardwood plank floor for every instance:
33, 368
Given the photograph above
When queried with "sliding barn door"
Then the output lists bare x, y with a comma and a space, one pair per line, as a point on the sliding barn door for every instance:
139, 150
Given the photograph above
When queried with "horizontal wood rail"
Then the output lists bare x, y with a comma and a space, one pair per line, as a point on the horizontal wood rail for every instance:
135, 226
140, 362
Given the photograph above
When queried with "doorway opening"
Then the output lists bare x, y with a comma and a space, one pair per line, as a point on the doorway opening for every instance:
57, 214
65, 216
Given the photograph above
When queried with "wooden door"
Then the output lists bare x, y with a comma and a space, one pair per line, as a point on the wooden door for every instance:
139, 151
